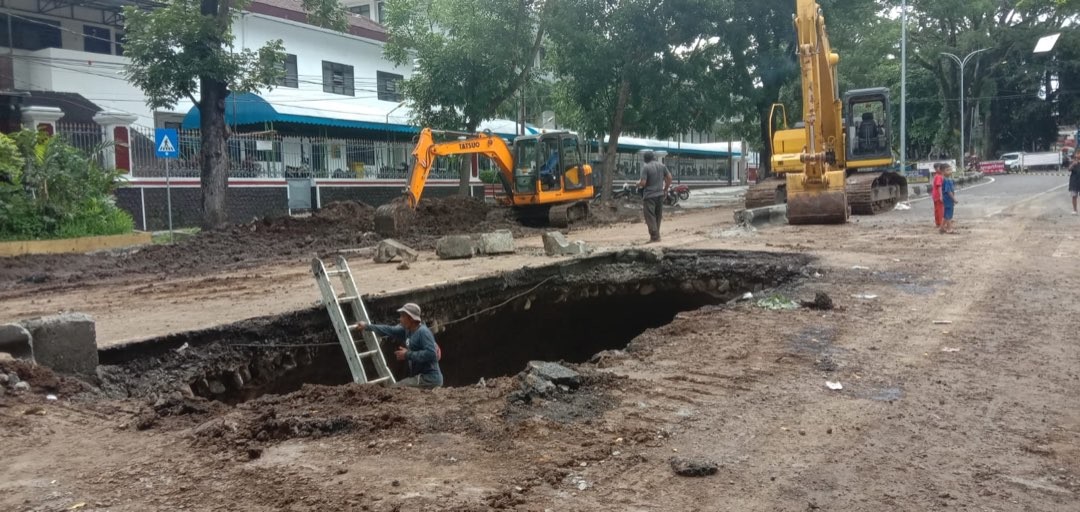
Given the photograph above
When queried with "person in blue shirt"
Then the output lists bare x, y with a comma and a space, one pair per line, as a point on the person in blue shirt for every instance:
948, 197
419, 350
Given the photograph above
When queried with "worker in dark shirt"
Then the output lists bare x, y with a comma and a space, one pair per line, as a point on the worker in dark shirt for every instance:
419, 350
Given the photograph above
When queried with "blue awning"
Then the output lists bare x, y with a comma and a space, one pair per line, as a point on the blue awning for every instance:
251, 109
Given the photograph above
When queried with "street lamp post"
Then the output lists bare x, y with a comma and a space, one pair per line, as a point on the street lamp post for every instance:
903, 85
962, 62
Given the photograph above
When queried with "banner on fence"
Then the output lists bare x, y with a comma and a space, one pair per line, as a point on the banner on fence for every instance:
992, 167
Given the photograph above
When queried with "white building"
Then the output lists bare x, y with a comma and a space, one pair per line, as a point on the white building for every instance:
77, 47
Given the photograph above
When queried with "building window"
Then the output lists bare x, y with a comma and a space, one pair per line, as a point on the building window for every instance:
389, 86
97, 39
119, 43
174, 125
363, 10
382, 12
30, 33
337, 78
290, 78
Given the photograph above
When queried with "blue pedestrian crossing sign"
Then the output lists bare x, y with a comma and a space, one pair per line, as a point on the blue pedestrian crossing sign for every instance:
166, 143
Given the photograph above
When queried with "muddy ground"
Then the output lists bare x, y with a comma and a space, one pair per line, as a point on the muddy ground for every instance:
342, 225
956, 356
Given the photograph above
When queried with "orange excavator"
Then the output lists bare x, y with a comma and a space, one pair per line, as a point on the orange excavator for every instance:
838, 160
544, 176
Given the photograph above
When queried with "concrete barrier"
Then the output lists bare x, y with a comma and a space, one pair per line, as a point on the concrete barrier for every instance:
455, 247
776, 213
66, 343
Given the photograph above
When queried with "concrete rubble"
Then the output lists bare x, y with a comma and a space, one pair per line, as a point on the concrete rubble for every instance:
391, 249
497, 242
455, 247
556, 244
16, 340
541, 379
67, 343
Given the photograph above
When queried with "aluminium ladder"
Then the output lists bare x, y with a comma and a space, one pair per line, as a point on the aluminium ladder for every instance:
333, 305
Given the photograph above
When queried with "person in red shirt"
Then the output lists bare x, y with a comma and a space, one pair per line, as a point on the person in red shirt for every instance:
935, 194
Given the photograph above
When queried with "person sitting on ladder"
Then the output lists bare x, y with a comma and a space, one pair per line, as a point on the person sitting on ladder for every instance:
420, 350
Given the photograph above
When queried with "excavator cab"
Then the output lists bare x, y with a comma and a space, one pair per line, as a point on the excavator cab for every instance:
866, 122
548, 163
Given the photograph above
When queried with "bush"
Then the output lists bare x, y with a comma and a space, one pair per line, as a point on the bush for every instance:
53, 190
489, 176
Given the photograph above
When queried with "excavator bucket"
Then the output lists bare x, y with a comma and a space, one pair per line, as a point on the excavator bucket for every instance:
393, 218
817, 203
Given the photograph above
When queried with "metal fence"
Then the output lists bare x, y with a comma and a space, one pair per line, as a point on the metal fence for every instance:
89, 138
271, 155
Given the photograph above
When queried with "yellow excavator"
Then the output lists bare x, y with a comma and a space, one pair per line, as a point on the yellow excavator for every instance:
839, 156
544, 176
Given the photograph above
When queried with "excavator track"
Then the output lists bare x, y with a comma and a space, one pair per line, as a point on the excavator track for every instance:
767, 193
562, 215
871, 193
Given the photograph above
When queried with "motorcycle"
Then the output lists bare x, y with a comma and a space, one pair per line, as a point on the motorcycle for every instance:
626, 191
683, 191
672, 197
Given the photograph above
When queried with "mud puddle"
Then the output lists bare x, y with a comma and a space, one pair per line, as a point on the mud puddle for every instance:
487, 327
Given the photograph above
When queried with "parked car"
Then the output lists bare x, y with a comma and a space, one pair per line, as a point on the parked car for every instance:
1012, 161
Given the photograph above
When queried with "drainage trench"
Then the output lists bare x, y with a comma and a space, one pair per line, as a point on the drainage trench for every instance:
487, 327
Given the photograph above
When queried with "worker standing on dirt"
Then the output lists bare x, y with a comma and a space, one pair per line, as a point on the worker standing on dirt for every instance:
420, 350
655, 180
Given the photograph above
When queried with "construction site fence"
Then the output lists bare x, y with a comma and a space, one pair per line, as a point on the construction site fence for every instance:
272, 155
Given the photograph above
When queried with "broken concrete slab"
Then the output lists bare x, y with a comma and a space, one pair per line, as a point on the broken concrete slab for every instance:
67, 343
389, 249
16, 340
554, 373
455, 247
556, 244
498, 242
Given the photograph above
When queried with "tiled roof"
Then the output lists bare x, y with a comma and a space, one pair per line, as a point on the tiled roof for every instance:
294, 10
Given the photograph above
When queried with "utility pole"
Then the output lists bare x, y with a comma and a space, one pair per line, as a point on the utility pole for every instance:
962, 62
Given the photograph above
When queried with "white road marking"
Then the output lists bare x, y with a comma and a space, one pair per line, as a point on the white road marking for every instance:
1027, 199
927, 196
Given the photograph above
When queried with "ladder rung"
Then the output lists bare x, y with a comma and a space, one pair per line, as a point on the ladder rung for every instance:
368, 353
337, 272
347, 298
378, 380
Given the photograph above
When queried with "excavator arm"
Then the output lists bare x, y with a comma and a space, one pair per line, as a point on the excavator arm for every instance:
427, 150
817, 195
392, 218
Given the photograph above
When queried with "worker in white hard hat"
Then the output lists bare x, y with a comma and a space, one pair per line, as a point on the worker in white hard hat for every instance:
420, 349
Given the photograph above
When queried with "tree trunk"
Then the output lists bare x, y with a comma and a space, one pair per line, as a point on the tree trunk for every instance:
765, 157
465, 167
613, 140
214, 158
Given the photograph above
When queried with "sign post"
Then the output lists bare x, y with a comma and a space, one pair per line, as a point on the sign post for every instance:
167, 144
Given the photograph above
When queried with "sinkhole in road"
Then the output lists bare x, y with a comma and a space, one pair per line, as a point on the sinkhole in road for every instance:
487, 327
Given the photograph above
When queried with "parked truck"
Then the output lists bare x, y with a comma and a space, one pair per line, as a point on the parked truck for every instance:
1025, 162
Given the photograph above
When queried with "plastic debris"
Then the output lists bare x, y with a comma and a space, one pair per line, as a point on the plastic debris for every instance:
866, 296
950, 349
747, 296
182, 348
903, 206
860, 267
835, 386
50, 397
942, 322
777, 302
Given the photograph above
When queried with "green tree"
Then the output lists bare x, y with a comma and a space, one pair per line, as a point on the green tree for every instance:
472, 57
648, 67
184, 49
